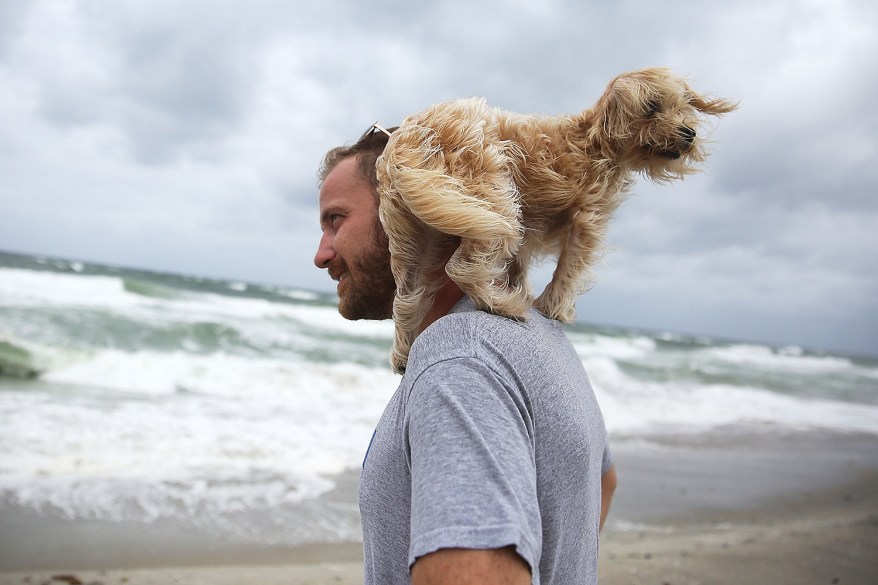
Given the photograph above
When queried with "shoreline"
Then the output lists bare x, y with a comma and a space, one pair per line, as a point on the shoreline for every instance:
795, 509
828, 536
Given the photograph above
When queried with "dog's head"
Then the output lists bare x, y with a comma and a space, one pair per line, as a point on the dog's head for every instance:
651, 120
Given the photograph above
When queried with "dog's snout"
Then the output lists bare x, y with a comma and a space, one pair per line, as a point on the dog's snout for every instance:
687, 133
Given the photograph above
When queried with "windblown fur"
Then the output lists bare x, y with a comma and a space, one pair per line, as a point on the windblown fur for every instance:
481, 192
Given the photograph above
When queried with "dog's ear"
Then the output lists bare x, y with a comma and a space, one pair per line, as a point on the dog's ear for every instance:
712, 106
610, 115
616, 107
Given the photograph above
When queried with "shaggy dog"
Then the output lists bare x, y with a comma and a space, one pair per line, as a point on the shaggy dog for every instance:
481, 192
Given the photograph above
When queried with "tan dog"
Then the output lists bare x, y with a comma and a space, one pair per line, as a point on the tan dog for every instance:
488, 191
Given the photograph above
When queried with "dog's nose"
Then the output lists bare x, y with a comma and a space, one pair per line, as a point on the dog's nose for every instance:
687, 133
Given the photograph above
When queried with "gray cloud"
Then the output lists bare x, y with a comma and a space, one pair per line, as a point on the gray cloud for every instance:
186, 137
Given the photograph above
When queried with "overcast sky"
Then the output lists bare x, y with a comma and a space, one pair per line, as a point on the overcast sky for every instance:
185, 136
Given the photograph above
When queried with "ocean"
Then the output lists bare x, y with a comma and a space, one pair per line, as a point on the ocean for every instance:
136, 397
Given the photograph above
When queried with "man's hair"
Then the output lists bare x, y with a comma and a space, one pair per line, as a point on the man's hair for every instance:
367, 150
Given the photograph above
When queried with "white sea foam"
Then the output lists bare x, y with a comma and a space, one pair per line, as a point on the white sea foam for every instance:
634, 407
26, 288
328, 319
594, 345
785, 359
187, 435
299, 295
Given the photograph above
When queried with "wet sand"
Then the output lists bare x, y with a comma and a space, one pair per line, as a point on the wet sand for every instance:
827, 537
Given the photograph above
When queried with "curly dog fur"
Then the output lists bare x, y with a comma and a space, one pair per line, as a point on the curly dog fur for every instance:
480, 192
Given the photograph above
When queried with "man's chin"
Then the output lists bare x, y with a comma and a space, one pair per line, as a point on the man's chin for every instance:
357, 316
364, 311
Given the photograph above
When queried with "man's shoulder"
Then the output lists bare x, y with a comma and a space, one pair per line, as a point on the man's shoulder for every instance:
472, 333
466, 329
451, 336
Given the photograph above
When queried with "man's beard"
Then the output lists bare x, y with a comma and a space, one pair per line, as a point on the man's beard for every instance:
369, 287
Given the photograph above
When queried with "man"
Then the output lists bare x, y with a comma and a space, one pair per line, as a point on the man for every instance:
490, 464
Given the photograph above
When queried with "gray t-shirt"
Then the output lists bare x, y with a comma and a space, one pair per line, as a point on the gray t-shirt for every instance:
493, 438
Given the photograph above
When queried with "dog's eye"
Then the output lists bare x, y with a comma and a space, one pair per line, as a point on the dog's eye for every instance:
653, 107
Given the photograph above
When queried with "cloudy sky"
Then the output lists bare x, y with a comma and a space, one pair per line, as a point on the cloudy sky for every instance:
184, 136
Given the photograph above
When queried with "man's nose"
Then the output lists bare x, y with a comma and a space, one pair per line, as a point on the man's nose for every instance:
325, 252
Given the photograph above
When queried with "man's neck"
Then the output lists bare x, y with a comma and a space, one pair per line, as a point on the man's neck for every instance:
445, 299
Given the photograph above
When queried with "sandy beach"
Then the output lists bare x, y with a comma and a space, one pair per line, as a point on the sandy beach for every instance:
828, 537
801, 508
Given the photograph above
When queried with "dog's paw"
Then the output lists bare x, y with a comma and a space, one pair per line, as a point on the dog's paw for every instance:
398, 359
507, 302
559, 310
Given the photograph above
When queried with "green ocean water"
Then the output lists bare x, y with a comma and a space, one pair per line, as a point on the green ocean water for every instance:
136, 396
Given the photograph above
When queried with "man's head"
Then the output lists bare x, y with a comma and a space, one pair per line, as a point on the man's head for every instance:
366, 150
354, 247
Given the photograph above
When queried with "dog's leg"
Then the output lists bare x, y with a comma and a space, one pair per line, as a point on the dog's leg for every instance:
558, 300
479, 269
517, 275
407, 252
409, 309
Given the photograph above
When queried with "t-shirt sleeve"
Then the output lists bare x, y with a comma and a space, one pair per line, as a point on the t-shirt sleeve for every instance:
469, 440
608, 460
